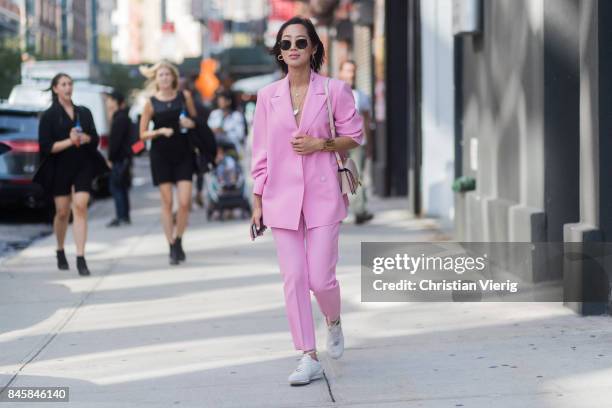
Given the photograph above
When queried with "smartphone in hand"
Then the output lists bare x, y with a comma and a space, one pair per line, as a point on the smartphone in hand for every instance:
255, 232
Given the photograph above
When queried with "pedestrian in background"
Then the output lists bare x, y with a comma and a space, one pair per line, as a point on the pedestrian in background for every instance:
228, 123
172, 113
361, 154
204, 159
70, 160
295, 184
119, 157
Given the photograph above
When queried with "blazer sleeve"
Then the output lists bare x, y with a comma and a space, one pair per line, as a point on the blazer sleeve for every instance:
45, 134
348, 121
259, 161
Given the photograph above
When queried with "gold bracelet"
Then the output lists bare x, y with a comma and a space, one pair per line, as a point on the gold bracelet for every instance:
329, 145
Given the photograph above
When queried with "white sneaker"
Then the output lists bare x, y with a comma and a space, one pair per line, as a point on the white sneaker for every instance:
309, 369
335, 340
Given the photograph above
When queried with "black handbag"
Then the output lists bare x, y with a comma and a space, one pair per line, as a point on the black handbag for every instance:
204, 145
45, 174
203, 139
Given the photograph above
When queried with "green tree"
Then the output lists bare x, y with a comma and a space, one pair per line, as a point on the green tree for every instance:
123, 78
10, 68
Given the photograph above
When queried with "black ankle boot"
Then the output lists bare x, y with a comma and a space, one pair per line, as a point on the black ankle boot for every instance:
62, 262
179, 249
82, 266
174, 259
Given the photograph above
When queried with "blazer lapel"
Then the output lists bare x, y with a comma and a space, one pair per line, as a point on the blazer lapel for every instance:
281, 101
314, 102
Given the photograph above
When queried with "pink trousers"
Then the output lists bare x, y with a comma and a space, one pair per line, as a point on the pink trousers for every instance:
307, 260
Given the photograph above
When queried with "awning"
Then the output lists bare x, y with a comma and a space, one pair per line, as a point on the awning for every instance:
242, 62
253, 84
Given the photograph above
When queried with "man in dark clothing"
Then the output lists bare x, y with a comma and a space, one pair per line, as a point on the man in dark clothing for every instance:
203, 114
204, 159
120, 157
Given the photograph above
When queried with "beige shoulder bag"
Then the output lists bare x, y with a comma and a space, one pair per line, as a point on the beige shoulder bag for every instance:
348, 175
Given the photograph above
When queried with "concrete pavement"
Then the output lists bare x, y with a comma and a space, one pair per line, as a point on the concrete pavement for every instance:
213, 332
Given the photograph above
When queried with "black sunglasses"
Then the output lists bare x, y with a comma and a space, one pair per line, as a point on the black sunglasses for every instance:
300, 43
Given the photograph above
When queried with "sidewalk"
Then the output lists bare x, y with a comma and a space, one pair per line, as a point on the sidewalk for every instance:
213, 332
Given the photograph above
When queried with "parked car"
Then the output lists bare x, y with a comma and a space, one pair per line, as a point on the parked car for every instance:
84, 93
19, 141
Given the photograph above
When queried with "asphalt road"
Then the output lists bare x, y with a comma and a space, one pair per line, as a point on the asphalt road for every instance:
19, 227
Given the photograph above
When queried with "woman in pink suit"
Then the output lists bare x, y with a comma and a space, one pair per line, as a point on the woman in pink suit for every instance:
296, 190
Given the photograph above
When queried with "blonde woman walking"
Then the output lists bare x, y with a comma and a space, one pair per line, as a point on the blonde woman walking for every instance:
172, 113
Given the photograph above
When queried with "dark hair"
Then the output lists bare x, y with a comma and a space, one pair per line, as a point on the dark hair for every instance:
319, 55
54, 83
229, 96
116, 96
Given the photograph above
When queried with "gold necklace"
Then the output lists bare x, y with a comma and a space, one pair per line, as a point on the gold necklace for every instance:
299, 105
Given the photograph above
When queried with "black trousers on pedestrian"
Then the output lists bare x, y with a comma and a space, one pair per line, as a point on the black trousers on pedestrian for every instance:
120, 180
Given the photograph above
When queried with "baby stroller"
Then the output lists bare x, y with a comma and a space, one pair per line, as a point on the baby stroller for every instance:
225, 185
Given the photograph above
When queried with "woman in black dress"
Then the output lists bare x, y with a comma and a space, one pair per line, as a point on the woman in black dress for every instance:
70, 161
171, 154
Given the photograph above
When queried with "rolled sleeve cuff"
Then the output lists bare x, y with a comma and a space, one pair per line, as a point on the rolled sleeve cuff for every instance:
258, 185
360, 139
357, 135
352, 128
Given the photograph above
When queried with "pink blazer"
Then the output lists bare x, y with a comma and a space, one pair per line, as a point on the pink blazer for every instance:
289, 183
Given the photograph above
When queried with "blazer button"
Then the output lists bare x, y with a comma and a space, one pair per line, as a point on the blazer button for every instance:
323, 178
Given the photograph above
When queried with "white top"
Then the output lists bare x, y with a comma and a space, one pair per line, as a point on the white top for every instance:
362, 104
232, 125
362, 101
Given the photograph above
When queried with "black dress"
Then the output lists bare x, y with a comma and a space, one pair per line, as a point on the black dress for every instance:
171, 157
75, 166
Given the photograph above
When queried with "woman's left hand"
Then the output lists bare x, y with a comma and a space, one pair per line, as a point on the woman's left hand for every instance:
187, 123
303, 144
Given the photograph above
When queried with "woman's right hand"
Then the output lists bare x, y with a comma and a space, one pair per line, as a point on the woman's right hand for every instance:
166, 131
